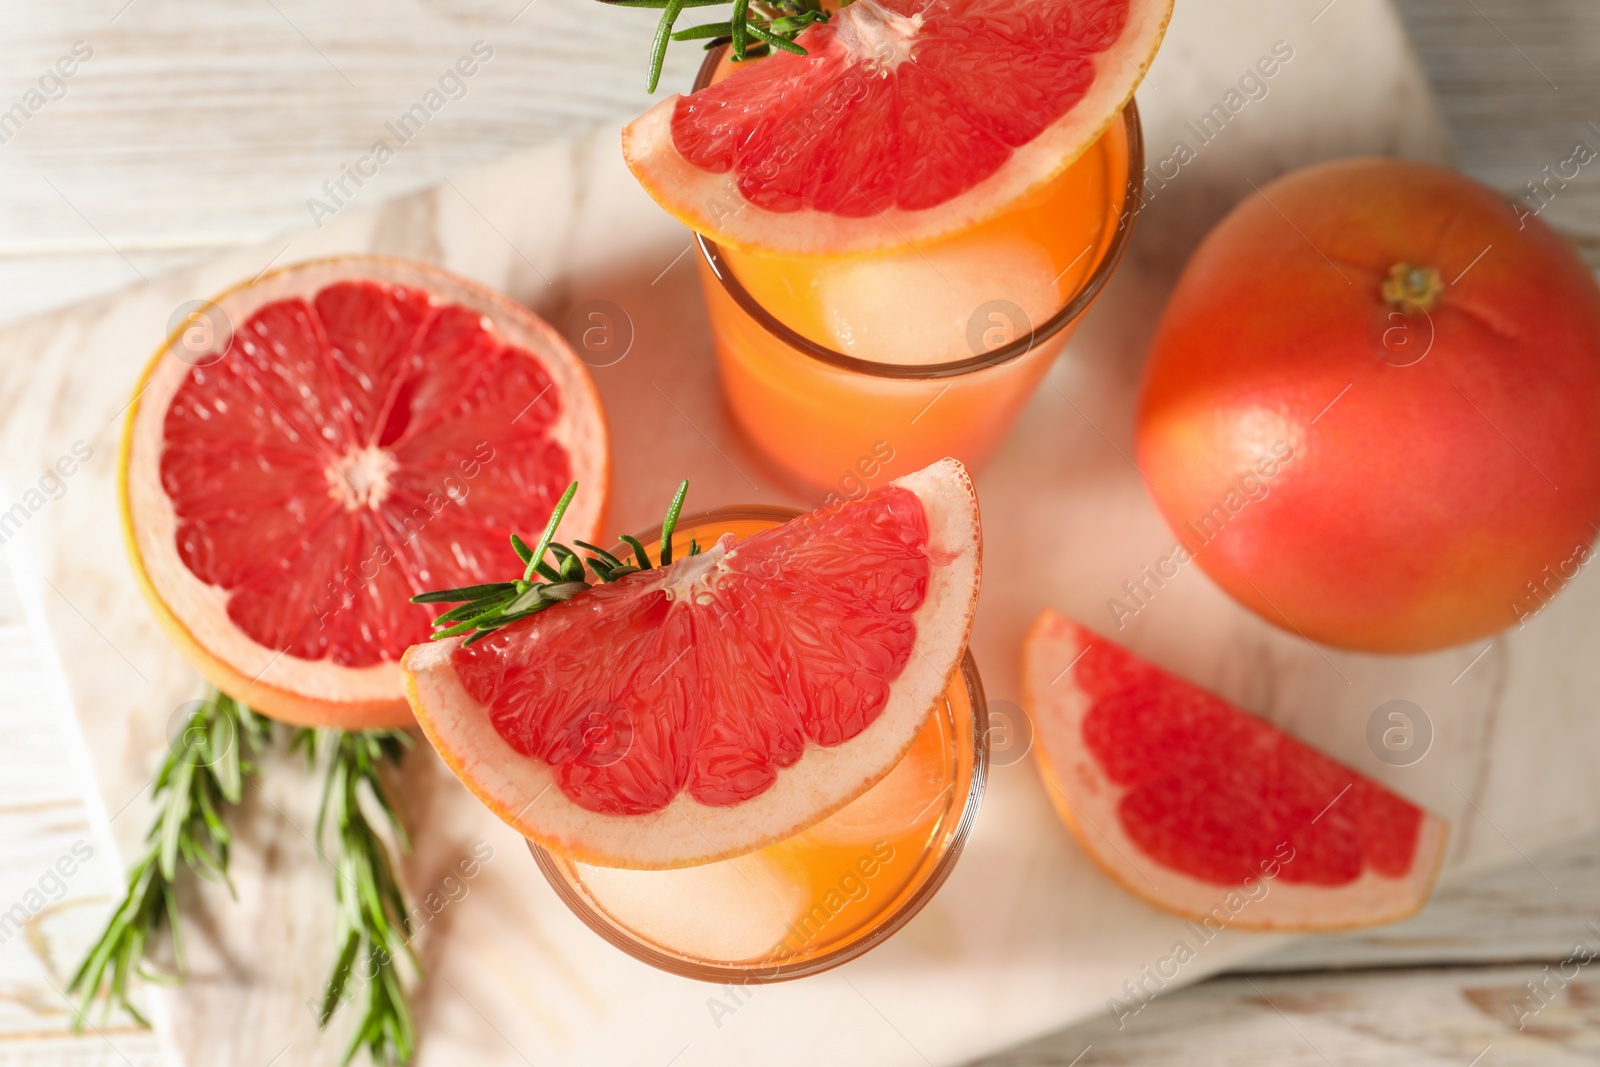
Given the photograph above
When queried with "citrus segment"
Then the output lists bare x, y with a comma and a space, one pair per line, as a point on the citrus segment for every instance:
727, 700
367, 430
905, 120
1185, 799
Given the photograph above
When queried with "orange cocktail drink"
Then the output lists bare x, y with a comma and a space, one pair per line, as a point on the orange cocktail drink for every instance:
822, 896
855, 366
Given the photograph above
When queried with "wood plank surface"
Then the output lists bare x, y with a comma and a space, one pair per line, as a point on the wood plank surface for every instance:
1428, 1017
1436, 989
197, 126
1519, 84
57, 875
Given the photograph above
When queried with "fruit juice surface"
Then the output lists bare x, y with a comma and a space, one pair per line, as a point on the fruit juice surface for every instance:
837, 883
906, 318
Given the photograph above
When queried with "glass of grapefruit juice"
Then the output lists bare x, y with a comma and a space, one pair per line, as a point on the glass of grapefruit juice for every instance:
831, 363
823, 896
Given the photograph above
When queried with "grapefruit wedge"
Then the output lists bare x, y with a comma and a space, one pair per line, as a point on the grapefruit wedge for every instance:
1210, 812
905, 120
700, 710
354, 431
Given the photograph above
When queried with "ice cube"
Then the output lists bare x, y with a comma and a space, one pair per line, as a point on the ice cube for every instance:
907, 800
958, 300
725, 912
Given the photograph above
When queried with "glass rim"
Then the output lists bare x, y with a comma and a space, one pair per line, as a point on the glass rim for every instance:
762, 973
1015, 349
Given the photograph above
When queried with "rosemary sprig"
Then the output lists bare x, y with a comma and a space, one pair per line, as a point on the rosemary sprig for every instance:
754, 27
202, 775
374, 927
483, 609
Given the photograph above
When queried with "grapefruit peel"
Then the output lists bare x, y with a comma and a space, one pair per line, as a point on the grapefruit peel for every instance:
1089, 801
194, 614
523, 791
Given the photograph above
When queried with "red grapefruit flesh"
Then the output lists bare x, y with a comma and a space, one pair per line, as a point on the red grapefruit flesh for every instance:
367, 429
905, 120
702, 710
1210, 812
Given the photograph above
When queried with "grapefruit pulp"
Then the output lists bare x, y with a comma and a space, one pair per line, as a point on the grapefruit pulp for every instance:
906, 120
1207, 811
701, 710
359, 430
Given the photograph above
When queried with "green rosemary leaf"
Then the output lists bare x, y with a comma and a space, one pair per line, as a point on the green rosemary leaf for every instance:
527, 600
466, 592
456, 630
568, 564
304, 741
201, 772
605, 557
790, 25
739, 39
658, 48
371, 909
213, 821
470, 609
774, 24
565, 590
175, 819
341, 977
671, 522
488, 607
638, 551
775, 40
550, 531
714, 30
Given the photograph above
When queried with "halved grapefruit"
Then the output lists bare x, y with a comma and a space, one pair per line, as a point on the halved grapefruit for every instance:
1210, 812
741, 695
358, 430
905, 120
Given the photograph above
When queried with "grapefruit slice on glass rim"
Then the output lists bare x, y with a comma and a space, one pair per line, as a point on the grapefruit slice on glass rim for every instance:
314, 447
906, 120
703, 709
1209, 812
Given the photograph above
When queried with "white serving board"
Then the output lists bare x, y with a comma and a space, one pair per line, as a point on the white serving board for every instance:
1027, 935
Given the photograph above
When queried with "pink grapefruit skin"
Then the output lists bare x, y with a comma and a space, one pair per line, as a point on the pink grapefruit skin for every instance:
1187, 801
731, 699
1455, 484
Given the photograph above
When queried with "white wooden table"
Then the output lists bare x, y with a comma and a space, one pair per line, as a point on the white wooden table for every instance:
207, 125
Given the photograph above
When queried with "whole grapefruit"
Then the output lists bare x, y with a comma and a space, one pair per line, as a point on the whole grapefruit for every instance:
1371, 411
